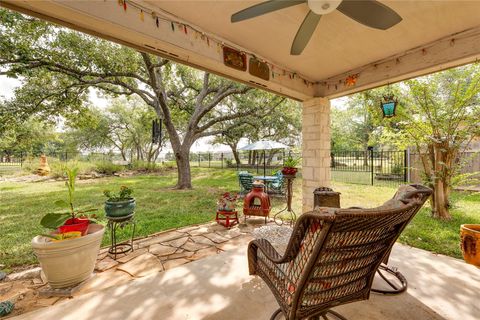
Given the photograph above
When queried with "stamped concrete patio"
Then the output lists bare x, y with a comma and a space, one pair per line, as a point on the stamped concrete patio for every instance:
219, 287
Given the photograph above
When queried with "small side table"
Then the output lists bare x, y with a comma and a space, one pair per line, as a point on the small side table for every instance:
227, 218
120, 222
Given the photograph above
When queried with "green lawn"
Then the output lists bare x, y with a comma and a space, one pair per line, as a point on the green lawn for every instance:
160, 208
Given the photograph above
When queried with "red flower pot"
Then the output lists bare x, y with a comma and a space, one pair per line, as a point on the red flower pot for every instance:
74, 225
289, 171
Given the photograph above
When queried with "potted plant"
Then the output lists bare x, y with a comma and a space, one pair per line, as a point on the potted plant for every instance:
119, 204
290, 166
68, 254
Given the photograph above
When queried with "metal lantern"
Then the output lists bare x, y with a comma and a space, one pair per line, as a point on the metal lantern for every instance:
389, 106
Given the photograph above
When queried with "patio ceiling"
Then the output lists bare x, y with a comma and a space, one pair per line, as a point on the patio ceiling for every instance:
433, 35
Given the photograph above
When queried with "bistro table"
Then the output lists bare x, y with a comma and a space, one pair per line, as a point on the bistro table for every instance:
266, 179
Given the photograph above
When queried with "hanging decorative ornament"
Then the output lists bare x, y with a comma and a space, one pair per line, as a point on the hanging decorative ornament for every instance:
185, 29
142, 17
157, 22
258, 68
389, 105
156, 131
173, 26
233, 58
125, 5
351, 80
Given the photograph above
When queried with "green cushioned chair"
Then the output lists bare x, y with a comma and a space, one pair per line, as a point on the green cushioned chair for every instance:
246, 181
277, 186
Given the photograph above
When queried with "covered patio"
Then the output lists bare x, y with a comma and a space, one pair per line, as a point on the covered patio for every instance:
342, 57
218, 287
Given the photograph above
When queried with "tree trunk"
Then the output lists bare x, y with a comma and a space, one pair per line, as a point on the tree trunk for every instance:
440, 201
235, 154
182, 157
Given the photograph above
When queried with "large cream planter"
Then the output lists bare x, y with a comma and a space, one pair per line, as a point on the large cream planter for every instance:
69, 262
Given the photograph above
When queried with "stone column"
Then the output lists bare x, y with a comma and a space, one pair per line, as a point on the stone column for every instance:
315, 148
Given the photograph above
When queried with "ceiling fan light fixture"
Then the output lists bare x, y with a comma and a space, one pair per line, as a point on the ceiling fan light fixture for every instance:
322, 7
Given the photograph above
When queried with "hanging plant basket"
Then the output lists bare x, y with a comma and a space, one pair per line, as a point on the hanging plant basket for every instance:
289, 171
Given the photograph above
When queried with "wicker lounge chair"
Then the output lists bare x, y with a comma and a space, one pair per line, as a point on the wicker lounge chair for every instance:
399, 284
332, 256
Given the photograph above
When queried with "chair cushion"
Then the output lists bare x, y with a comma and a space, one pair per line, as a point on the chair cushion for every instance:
395, 202
402, 191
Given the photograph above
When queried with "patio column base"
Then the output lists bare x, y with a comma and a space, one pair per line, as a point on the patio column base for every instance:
315, 148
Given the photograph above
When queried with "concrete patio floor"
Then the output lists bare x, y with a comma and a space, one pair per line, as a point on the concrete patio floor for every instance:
219, 287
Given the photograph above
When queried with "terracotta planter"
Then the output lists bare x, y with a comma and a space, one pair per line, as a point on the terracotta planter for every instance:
120, 208
470, 243
69, 262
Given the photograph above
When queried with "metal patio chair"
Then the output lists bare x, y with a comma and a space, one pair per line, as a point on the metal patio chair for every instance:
278, 185
332, 256
245, 180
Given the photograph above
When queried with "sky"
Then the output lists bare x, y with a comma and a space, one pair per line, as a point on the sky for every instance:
7, 86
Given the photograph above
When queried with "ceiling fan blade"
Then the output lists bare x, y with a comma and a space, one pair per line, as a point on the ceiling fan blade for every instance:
370, 13
305, 32
263, 8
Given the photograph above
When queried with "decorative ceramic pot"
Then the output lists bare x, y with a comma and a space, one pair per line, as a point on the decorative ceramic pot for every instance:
44, 168
119, 208
68, 262
470, 243
74, 225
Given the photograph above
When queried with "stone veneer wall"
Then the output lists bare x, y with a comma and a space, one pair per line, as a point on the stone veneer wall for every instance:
315, 148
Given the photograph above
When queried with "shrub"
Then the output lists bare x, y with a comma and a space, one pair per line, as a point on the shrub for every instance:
108, 167
397, 168
140, 165
229, 163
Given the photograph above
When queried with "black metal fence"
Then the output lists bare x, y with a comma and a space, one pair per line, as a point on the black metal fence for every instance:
370, 167
360, 167
254, 162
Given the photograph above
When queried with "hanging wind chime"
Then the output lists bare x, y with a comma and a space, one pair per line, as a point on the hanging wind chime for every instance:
156, 131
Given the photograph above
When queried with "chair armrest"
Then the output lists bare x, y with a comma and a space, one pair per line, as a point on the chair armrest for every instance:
266, 247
